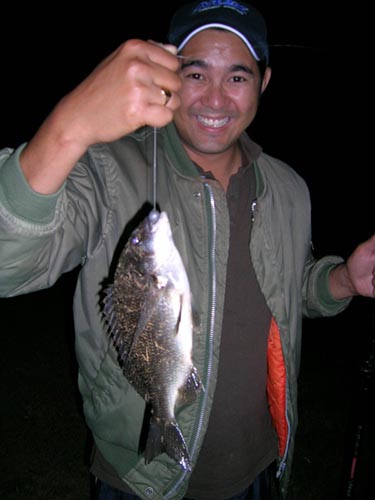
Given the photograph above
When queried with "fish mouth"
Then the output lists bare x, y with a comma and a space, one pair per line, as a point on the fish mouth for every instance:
211, 122
154, 220
153, 217
157, 229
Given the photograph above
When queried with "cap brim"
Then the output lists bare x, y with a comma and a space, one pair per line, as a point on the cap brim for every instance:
222, 26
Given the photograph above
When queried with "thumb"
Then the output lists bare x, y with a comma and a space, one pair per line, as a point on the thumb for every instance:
167, 46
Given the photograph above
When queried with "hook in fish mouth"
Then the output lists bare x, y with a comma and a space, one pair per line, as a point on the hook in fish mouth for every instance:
153, 216
154, 219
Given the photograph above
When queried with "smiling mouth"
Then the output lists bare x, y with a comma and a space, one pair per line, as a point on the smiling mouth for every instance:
212, 122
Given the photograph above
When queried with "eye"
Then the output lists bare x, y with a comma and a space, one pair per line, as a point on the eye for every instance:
238, 79
194, 76
135, 240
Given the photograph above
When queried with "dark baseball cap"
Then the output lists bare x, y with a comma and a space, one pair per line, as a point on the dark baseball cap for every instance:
236, 16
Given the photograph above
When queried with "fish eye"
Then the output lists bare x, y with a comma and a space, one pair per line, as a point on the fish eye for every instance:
135, 240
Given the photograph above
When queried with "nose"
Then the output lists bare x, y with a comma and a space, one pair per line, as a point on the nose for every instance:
215, 95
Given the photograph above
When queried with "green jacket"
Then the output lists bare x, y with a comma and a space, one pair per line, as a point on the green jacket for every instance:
42, 237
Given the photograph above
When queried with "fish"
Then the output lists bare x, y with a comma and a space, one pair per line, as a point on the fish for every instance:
148, 309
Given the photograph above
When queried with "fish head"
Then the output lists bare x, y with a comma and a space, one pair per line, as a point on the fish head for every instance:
152, 240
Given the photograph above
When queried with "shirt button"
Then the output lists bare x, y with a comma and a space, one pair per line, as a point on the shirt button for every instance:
149, 491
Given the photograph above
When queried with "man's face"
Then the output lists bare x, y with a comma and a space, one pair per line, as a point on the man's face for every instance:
220, 92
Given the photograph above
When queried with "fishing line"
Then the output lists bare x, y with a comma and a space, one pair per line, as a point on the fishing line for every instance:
154, 169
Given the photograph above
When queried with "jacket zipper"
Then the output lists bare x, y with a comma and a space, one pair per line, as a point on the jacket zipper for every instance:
211, 215
211, 222
282, 464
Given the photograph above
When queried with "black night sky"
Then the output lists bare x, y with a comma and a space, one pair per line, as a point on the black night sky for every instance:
312, 116
315, 115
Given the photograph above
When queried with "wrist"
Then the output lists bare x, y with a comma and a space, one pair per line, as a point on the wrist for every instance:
340, 283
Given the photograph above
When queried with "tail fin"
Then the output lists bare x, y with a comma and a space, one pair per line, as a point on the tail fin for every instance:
165, 436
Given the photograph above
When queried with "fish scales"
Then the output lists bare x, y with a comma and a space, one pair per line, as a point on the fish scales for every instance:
148, 311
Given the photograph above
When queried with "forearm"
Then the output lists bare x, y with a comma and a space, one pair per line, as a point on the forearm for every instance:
50, 156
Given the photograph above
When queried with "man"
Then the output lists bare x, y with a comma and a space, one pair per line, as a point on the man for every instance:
66, 197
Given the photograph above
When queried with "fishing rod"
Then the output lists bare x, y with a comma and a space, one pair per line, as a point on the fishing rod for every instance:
366, 386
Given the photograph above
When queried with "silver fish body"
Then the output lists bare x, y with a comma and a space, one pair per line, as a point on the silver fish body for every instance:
148, 310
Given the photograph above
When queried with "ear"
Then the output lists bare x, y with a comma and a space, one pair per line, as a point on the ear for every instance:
266, 79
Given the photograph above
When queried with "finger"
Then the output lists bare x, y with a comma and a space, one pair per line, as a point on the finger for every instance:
167, 98
158, 116
165, 65
166, 46
371, 242
167, 94
164, 54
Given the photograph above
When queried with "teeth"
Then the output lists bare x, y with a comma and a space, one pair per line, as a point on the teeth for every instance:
211, 122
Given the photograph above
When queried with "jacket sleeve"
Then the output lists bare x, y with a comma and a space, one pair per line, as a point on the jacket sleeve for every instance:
317, 298
41, 236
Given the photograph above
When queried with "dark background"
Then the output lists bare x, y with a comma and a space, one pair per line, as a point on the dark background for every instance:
315, 115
